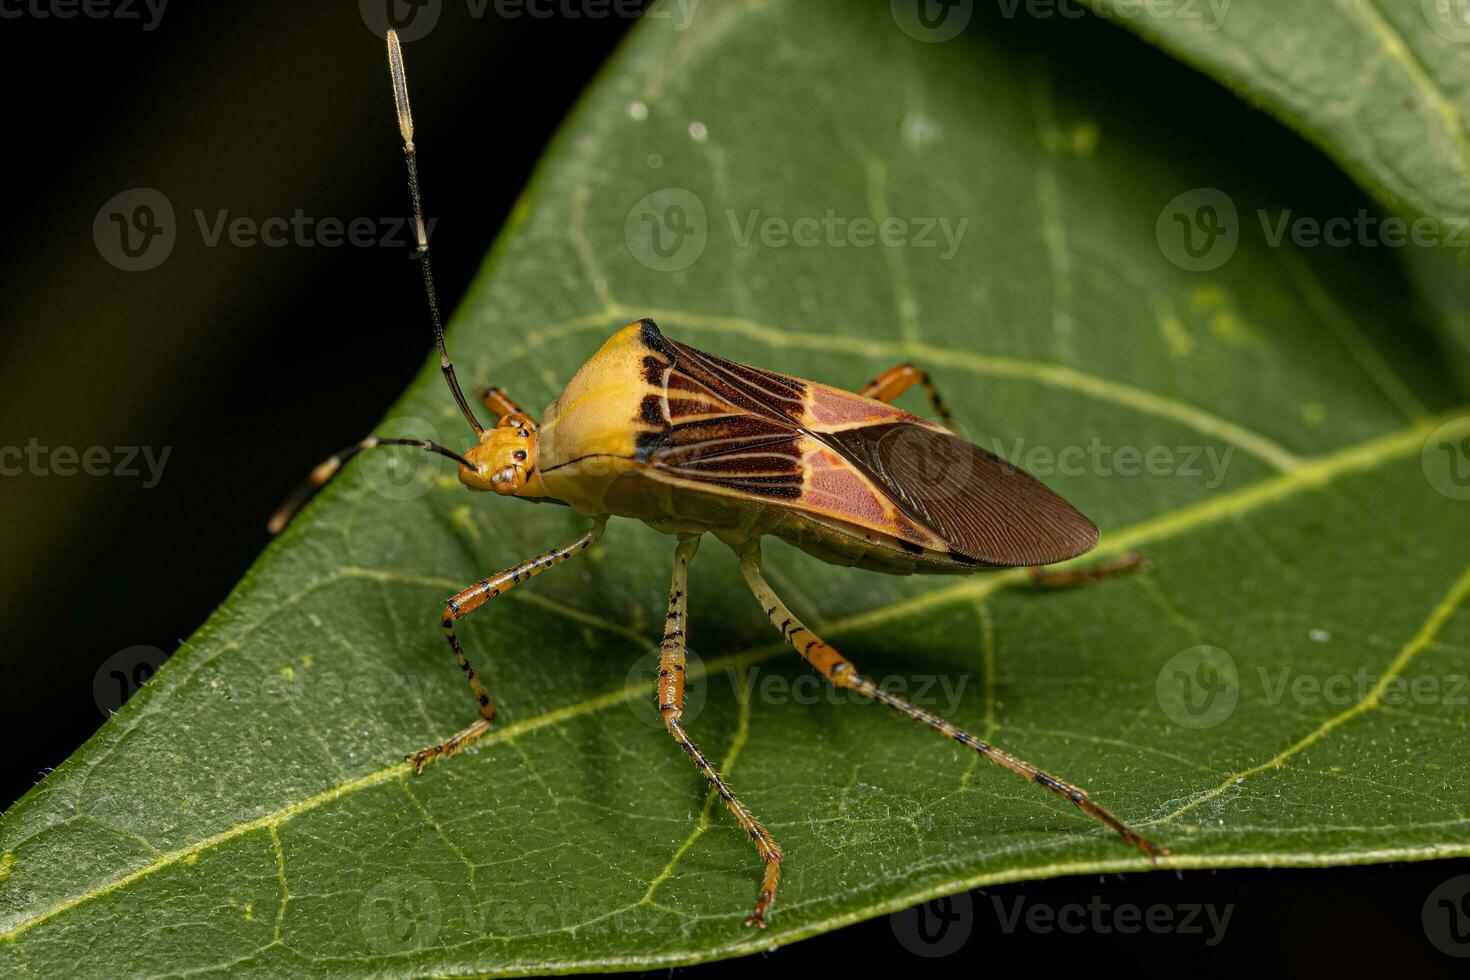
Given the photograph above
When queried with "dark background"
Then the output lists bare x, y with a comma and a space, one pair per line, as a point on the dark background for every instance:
253, 363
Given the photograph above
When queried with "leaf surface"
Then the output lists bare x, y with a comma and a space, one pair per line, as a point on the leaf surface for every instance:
1382, 85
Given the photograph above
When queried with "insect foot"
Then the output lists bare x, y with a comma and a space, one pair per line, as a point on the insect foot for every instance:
768, 892
459, 740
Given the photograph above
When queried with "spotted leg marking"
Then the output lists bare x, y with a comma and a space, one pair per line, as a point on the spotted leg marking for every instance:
671, 708
896, 380
841, 672
467, 602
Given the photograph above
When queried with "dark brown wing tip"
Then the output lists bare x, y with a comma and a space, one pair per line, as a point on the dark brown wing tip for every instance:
982, 506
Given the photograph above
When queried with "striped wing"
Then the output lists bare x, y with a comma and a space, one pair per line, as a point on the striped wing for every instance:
736, 429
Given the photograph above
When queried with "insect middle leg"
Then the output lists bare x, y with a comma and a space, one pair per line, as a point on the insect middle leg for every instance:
467, 602
841, 672
670, 696
887, 386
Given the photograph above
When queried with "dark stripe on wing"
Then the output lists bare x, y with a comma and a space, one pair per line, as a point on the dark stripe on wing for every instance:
719, 422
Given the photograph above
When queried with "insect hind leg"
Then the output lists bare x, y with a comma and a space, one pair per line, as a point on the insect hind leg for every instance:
841, 673
670, 703
1048, 578
887, 386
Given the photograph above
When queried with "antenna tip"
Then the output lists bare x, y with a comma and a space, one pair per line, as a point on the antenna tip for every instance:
400, 87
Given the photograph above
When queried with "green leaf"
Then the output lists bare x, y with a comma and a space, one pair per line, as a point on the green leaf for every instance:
1383, 86
246, 813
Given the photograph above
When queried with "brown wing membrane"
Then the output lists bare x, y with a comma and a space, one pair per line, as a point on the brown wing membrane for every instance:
985, 507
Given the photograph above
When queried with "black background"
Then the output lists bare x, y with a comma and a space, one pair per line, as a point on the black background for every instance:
253, 363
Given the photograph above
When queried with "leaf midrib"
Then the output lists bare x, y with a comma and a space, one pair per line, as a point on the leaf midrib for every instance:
1315, 473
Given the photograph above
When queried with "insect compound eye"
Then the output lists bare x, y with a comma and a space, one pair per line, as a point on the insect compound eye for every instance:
520, 455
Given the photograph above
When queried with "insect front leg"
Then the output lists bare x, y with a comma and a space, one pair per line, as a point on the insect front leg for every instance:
670, 702
467, 602
841, 672
887, 386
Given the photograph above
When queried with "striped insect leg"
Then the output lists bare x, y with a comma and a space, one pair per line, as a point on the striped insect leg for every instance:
841, 672
467, 602
887, 386
500, 403
1048, 578
671, 708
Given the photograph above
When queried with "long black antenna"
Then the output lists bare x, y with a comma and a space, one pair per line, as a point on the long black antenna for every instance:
410, 156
